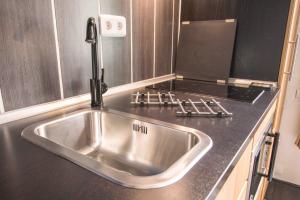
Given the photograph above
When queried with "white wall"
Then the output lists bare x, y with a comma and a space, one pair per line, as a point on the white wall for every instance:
287, 166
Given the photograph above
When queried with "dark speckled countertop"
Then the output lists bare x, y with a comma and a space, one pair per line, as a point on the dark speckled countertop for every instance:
30, 172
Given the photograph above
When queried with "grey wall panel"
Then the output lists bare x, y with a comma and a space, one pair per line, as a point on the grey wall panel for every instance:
117, 51
163, 37
75, 53
143, 39
28, 63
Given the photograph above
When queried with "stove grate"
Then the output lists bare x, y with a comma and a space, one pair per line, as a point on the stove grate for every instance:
189, 108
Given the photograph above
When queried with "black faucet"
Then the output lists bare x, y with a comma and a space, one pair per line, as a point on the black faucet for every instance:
98, 87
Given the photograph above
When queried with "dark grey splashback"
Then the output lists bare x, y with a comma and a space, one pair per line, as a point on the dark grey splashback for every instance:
260, 32
163, 37
260, 39
75, 53
143, 34
28, 65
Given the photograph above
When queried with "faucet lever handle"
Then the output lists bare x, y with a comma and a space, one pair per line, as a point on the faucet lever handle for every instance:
91, 31
102, 75
104, 87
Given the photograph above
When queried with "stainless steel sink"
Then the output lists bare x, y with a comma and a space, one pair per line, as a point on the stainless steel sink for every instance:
130, 150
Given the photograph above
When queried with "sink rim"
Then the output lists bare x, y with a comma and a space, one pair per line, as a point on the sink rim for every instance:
171, 175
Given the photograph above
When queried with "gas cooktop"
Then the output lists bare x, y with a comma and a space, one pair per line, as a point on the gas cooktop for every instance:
245, 93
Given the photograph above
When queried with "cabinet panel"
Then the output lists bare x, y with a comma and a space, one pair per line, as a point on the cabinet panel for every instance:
75, 53
227, 191
163, 37
243, 193
29, 73
235, 185
143, 38
116, 51
259, 192
243, 169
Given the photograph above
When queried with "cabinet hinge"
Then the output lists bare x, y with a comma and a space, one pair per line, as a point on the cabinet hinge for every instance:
179, 77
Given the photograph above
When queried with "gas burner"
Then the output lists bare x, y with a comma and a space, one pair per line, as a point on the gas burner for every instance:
189, 108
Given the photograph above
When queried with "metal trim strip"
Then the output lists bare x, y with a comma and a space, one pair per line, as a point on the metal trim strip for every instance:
57, 50
154, 40
2, 110
47, 107
131, 42
173, 27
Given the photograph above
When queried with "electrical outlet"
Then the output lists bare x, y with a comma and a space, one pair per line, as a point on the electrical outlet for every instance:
112, 26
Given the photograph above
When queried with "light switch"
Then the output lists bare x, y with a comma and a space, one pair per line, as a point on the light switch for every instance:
112, 26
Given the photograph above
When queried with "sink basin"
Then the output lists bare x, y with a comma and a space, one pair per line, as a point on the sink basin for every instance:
127, 149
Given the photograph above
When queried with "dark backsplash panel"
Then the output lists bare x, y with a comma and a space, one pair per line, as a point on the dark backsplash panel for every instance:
260, 32
75, 53
260, 39
29, 69
28, 64
143, 44
163, 44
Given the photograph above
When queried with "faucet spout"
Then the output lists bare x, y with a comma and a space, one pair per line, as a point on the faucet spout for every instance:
91, 37
98, 87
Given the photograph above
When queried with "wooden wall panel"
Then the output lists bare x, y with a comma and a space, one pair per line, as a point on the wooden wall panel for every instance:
28, 63
116, 51
163, 37
75, 53
143, 39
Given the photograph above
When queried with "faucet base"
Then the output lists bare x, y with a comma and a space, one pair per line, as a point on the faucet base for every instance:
96, 99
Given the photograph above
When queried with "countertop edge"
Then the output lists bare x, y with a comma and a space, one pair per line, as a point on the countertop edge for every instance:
218, 186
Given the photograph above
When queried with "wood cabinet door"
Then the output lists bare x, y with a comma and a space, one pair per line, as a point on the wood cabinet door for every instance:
235, 185
228, 190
